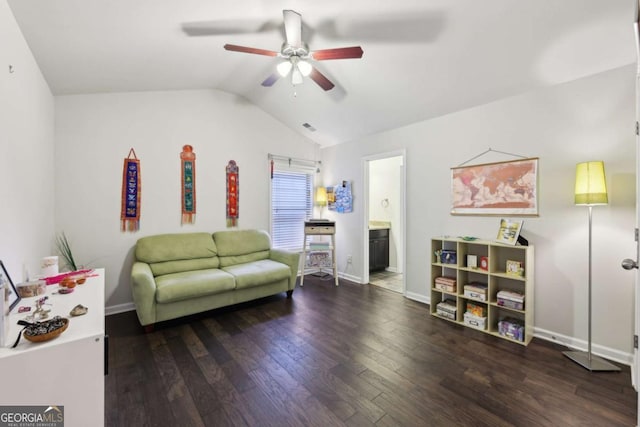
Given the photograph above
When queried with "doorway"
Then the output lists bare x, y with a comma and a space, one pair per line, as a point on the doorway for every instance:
384, 221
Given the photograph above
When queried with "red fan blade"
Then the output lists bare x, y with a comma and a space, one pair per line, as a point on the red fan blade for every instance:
320, 79
339, 53
269, 81
293, 28
236, 48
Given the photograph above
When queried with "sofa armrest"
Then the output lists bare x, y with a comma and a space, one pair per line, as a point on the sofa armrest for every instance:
292, 259
143, 289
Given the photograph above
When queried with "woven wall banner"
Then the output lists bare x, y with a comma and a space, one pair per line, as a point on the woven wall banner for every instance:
131, 192
233, 194
188, 179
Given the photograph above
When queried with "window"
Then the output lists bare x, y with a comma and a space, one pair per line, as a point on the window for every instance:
291, 205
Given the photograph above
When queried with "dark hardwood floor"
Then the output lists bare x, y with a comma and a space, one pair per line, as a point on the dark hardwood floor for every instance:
353, 355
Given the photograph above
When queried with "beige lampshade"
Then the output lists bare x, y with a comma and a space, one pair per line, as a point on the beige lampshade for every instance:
321, 196
591, 185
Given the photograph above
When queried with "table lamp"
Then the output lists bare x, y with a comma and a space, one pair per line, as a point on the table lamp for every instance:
321, 198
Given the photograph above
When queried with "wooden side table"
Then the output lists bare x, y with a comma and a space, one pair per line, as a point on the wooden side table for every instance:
320, 228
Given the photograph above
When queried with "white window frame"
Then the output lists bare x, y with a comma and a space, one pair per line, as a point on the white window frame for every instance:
284, 166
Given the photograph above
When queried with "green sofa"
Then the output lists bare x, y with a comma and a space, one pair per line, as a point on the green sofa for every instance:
175, 275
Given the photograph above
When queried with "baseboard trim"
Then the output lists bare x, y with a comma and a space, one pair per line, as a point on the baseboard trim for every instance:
350, 277
418, 297
578, 344
120, 308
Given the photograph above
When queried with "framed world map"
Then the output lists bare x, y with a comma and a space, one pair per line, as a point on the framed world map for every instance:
502, 188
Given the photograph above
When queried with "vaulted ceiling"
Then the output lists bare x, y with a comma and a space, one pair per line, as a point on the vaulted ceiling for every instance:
422, 58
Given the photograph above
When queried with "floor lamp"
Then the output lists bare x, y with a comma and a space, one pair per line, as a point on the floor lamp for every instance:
591, 190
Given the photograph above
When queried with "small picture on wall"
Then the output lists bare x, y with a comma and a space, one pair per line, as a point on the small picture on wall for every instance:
340, 198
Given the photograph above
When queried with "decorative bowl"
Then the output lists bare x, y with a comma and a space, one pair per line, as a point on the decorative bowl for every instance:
67, 282
47, 330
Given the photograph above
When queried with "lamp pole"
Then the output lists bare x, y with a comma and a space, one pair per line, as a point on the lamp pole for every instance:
589, 333
588, 360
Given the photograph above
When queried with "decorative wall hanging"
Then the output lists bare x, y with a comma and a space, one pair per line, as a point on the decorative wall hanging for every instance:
131, 192
188, 178
501, 188
233, 194
340, 198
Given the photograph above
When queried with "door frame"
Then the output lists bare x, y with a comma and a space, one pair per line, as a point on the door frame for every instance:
365, 211
635, 366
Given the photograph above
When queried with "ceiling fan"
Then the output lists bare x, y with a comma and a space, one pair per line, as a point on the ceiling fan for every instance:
296, 55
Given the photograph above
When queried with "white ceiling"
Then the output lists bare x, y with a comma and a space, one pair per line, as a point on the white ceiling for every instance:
422, 58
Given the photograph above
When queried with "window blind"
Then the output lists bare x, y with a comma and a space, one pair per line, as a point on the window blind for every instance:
291, 205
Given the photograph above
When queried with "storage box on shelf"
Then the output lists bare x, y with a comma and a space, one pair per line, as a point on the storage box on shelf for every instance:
475, 322
445, 284
447, 309
492, 290
476, 291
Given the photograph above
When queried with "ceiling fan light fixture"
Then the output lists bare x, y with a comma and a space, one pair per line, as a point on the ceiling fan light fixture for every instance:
296, 77
295, 55
304, 67
284, 67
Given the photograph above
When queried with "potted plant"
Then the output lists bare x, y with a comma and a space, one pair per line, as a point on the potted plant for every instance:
65, 251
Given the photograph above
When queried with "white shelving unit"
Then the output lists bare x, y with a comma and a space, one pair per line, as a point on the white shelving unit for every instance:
319, 228
495, 277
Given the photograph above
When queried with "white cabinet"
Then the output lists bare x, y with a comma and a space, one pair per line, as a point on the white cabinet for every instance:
505, 270
65, 371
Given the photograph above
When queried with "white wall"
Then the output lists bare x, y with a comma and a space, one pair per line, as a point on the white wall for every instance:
385, 180
26, 162
94, 134
591, 118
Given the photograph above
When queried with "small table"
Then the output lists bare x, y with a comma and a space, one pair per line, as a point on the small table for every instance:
320, 228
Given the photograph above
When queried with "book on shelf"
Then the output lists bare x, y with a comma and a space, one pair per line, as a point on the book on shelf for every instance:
319, 246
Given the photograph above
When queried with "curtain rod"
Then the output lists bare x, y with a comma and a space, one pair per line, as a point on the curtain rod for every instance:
294, 159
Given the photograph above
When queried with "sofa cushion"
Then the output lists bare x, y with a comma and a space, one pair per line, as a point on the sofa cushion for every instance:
241, 246
192, 284
258, 273
175, 253
168, 267
173, 247
228, 261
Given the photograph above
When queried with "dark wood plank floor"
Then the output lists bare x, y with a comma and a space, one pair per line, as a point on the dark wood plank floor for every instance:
354, 355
